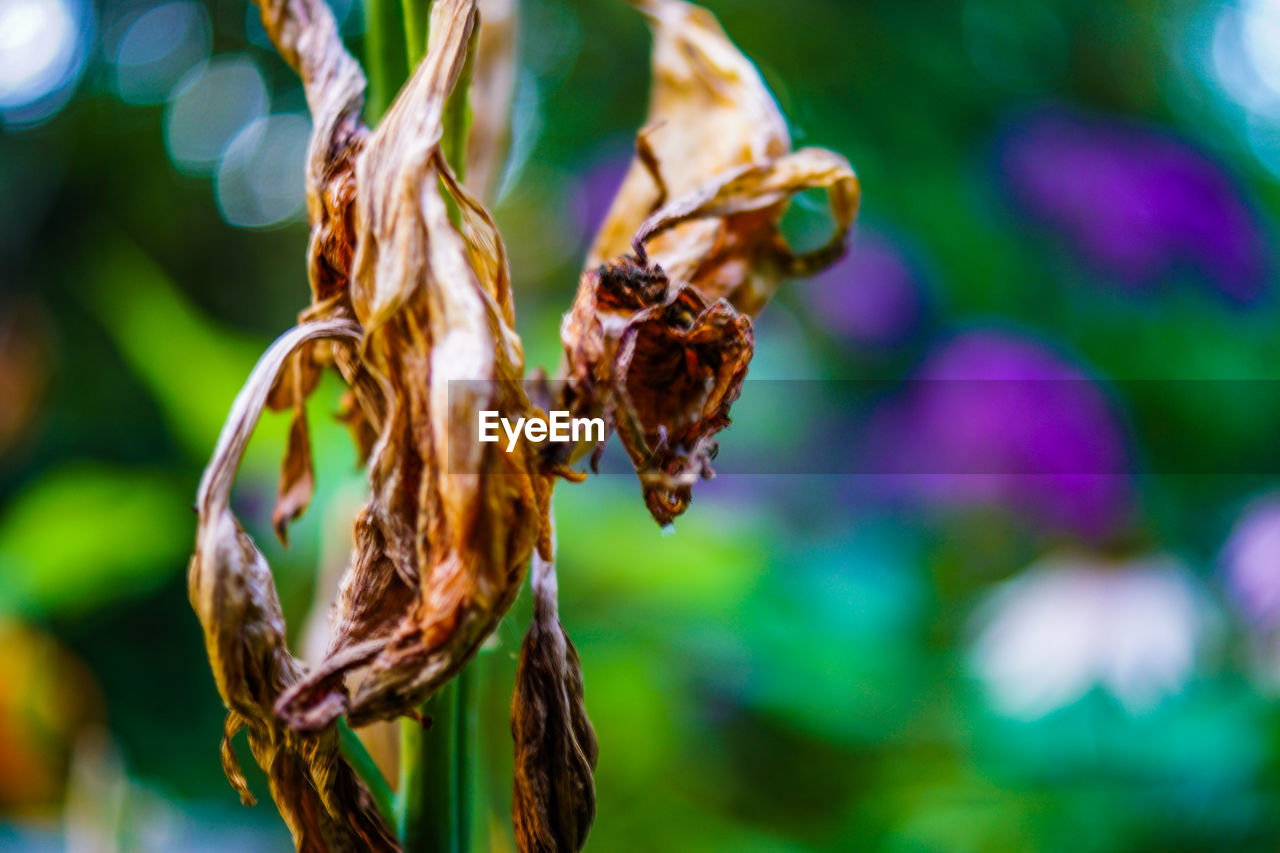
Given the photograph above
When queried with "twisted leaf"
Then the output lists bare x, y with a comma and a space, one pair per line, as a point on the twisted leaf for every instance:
321, 798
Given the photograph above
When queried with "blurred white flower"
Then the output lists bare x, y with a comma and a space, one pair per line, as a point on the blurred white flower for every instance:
1070, 623
1251, 559
1244, 62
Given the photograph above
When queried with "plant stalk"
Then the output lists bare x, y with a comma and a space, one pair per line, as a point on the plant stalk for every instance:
385, 60
417, 16
431, 813
439, 770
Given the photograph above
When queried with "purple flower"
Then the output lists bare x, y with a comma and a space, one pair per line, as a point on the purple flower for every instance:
597, 184
1139, 204
873, 297
1251, 559
993, 419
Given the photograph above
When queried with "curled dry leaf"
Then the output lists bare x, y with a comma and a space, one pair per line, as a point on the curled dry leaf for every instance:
442, 544
306, 35
554, 798
709, 111
715, 162
297, 472
658, 341
321, 798
414, 301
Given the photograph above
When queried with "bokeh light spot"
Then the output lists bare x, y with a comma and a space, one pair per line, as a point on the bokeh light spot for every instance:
210, 106
260, 180
157, 49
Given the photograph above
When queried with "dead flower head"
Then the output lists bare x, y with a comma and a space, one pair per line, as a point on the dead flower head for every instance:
659, 340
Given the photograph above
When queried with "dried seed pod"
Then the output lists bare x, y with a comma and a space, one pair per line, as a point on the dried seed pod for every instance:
659, 340
321, 798
554, 796
442, 545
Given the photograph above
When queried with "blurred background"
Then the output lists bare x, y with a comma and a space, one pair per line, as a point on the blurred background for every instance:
1056, 658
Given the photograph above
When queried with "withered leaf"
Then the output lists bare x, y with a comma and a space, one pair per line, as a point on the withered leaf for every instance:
306, 35
554, 797
321, 798
714, 170
749, 257
297, 476
414, 309
709, 112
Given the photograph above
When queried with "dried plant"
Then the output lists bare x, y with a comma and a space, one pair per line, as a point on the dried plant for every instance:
411, 292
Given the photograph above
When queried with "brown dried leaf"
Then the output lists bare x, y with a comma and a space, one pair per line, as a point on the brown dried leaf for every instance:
441, 547
306, 35
297, 476
554, 796
748, 257
297, 380
321, 798
709, 112
715, 162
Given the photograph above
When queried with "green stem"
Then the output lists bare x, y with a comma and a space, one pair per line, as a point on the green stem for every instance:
417, 15
429, 805
457, 116
466, 750
385, 60
367, 769
456, 124
438, 772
